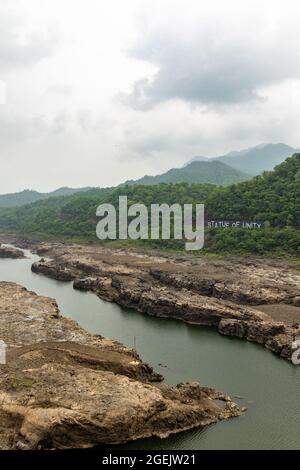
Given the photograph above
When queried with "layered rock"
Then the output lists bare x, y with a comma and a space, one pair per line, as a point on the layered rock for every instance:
65, 388
229, 318
10, 252
187, 296
255, 290
231, 294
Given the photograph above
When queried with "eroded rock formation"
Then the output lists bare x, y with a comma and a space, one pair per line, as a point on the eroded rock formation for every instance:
10, 252
65, 388
230, 295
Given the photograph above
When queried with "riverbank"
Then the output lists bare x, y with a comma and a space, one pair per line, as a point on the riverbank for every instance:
238, 297
10, 252
63, 387
184, 352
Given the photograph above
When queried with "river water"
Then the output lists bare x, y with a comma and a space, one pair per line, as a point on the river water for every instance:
268, 386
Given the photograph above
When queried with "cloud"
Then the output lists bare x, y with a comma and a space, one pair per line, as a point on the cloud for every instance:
36, 47
27, 129
60, 89
214, 76
19, 47
209, 62
60, 123
173, 132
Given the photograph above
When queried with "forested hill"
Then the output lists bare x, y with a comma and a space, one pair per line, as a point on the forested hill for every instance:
273, 196
75, 216
28, 196
210, 171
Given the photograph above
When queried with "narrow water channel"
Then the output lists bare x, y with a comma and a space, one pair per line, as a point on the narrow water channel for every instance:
269, 386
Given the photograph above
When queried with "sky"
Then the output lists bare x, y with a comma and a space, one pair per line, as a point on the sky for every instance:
98, 92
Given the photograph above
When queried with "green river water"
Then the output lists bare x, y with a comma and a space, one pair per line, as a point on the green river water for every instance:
269, 386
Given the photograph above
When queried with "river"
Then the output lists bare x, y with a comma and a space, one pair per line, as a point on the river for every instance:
269, 386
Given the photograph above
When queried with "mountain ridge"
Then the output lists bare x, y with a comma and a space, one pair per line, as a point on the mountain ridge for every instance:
233, 167
28, 196
206, 172
255, 160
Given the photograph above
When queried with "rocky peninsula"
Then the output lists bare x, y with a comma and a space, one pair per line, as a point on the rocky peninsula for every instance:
62, 387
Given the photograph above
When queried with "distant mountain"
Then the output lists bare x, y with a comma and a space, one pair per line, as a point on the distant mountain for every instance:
256, 160
197, 159
208, 171
232, 167
28, 196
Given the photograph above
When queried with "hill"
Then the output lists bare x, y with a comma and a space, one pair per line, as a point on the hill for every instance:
29, 196
74, 217
273, 196
255, 160
206, 172
197, 159
258, 159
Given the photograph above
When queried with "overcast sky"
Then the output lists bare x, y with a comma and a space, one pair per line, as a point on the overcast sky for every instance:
98, 92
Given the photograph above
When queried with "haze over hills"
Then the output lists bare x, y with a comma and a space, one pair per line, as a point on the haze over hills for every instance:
197, 159
28, 196
206, 171
233, 167
255, 160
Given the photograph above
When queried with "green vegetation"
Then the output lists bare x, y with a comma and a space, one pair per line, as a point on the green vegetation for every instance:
74, 217
68, 217
269, 241
28, 196
210, 171
273, 196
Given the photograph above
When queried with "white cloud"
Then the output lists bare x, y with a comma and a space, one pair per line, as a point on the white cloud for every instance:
194, 78
217, 58
20, 46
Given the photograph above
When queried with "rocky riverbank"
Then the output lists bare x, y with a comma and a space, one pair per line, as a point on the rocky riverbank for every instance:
238, 297
62, 387
229, 295
10, 252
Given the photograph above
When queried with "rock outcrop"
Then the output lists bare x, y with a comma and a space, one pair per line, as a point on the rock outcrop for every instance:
238, 297
223, 297
228, 318
10, 252
62, 387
